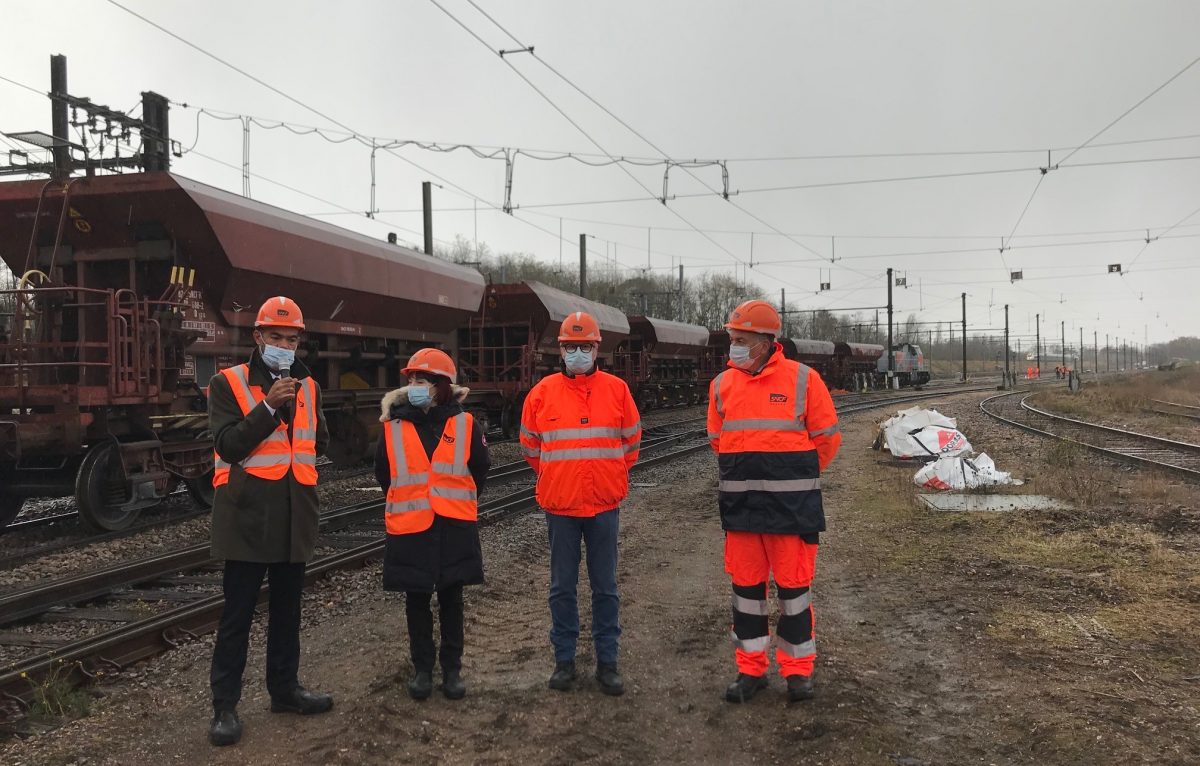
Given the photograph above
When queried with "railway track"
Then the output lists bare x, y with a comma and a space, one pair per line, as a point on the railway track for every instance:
74, 533
1175, 409
1180, 458
190, 580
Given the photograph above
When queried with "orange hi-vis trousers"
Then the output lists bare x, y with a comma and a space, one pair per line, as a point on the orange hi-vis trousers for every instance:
750, 558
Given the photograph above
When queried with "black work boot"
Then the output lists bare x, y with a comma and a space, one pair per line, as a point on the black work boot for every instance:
225, 728
800, 688
452, 684
420, 686
610, 679
302, 701
745, 687
563, 677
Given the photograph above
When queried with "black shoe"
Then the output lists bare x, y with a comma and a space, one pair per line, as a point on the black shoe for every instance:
610, 680
800, 688
563, 677
302, 701
420, 686
745, 687
452, 684
225, 728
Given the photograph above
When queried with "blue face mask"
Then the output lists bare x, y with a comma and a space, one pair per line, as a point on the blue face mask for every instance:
419, 397
578, 361
277, 358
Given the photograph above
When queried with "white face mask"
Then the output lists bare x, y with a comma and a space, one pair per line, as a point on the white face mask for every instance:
742, 357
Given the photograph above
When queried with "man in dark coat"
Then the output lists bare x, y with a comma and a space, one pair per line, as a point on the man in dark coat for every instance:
263, 526
442, 558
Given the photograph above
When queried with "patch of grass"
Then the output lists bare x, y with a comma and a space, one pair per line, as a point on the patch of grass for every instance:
1124, 547
1115, 399
1067, 476
142, 608
56, 696
1016, 625
1158, 488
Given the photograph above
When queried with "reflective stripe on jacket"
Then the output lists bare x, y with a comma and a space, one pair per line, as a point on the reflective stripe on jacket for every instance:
420, 487
278, 453
773, 432
581, 435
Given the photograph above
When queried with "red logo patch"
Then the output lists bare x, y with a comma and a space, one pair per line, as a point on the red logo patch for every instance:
281, 312
577, 328
779, 398
448, 439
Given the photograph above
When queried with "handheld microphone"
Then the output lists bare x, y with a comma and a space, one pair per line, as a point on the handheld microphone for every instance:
285, 412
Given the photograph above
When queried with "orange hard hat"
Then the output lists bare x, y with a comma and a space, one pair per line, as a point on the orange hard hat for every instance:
433, 361
755, 316
579, 327
279, 312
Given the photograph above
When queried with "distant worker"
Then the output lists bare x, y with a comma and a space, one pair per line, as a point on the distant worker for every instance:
773, 426
580, 431
432, 461
268, 430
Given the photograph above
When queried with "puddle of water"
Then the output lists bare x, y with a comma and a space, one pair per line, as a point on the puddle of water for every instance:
992, 503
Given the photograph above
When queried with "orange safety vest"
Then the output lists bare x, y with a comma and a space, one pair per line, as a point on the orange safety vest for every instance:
278, 453
421, 488
581, 435
768, 446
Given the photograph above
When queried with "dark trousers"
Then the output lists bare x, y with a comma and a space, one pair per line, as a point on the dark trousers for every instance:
420, 628
599, 534
242, 582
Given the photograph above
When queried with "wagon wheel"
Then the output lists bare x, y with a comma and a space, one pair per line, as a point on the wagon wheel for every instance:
10, 506
509, 421
201, 489
647, 400
102, 492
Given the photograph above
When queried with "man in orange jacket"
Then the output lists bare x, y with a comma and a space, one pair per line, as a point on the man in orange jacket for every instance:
580, 431
773, 426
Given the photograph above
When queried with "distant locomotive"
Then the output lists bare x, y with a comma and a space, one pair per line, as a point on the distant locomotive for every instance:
908, 366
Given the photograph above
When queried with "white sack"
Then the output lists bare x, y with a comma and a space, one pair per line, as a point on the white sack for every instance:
923, 434
962, 473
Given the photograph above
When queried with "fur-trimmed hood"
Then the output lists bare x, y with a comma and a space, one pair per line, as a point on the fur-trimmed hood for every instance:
395, 400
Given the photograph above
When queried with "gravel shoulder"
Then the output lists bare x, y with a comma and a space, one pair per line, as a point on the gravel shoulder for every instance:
943, 638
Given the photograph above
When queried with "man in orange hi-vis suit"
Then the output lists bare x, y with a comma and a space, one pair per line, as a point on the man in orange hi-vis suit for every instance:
773, 426
580, 431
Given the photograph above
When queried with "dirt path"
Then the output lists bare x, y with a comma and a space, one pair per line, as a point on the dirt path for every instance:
924, 658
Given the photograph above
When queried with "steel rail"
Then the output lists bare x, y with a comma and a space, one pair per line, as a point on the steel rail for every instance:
88, 658
1134, 441
115, 649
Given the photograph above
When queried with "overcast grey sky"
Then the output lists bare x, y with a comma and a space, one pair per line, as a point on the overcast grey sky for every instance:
749, 83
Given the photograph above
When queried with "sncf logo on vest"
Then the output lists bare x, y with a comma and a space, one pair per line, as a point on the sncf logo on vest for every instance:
448, 438
779, 398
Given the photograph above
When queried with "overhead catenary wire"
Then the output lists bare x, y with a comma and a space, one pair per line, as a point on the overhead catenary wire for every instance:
647, 141
814, 235
1162, 235
323, 115
585, 133
492, 151
24, 86
1128, 111
1091, 144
